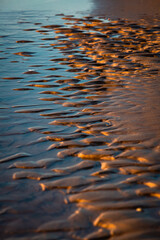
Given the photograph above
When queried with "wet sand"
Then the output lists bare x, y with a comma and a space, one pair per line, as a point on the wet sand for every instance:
132, 10
79, 126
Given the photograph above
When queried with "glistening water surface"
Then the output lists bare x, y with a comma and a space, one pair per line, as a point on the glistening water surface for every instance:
79, 124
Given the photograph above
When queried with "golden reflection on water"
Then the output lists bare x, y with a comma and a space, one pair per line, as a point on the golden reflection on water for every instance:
96, 155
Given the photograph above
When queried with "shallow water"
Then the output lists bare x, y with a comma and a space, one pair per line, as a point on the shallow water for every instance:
79, 125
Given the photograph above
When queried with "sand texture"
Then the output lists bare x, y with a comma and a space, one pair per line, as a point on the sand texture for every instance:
80, 133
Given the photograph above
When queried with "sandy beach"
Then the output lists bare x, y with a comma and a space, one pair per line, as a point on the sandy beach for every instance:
132, 10
79, 113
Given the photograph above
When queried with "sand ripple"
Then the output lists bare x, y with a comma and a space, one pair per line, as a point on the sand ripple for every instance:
90, 167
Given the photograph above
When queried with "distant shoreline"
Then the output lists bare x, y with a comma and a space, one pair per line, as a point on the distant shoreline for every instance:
114, 9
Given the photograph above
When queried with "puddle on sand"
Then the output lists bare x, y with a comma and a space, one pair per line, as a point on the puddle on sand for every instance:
80, 139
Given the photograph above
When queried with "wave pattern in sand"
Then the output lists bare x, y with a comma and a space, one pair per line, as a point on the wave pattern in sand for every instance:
98, 177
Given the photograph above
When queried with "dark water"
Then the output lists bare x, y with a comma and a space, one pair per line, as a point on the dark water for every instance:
79, 124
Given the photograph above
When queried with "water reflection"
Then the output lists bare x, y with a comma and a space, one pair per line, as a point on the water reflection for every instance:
79, 127
56, 6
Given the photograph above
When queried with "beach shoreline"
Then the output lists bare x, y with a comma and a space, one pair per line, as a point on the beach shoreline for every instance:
79, 122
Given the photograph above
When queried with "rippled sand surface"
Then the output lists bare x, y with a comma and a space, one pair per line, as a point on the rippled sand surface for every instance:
79, 128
